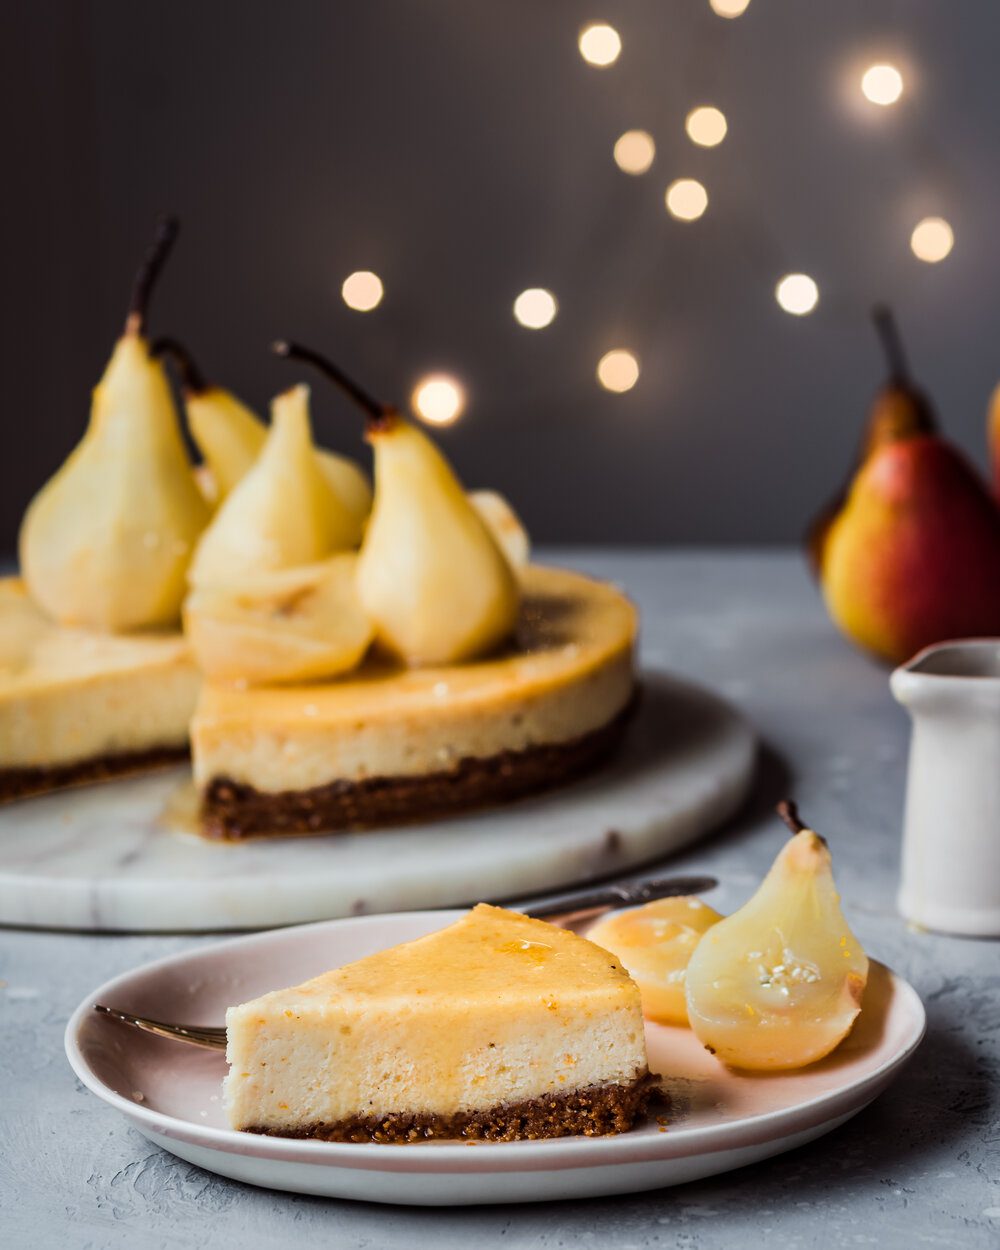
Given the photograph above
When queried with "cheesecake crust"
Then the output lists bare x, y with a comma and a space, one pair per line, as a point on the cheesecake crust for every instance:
233, 811
20, 783
596, 1111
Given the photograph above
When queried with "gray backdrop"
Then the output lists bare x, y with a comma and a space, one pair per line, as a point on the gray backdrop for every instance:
462, 149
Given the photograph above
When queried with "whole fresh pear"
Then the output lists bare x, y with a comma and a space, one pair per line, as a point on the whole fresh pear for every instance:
281, 513
230, 436
913, 558
899, 410
431, 576
107, 541
993, 435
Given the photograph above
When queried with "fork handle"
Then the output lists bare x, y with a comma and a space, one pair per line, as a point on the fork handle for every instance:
577, 904
198, 1035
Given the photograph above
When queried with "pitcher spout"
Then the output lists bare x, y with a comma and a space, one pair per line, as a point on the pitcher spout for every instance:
951, 676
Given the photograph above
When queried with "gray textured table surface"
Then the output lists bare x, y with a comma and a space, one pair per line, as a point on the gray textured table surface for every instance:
918, 1168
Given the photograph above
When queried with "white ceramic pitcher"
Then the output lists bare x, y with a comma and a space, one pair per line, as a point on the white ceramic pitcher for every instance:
951, 833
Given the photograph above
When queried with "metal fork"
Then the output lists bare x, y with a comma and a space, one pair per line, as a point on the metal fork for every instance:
571, 908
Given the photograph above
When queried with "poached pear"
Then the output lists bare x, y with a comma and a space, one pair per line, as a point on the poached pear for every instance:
778, 984
230, 436
504, 524
107, 541
227, 433
431, 576
281, 513
655, 943
299, 624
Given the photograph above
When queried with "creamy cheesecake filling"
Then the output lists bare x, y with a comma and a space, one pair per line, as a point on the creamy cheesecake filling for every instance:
429, 740
569, 672
336, 1065
69, 695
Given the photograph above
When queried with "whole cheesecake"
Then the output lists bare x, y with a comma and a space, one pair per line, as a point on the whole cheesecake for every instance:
388, 743
498, 1027
78, 706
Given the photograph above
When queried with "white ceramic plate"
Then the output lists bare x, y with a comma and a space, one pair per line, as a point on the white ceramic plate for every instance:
715, 1120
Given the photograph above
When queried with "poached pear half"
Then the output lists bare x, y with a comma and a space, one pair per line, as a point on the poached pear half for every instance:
293, 625
778, 984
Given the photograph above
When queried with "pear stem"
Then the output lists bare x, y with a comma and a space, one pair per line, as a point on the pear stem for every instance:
892, 343
149, 271
191, 378
789, 813
379, 415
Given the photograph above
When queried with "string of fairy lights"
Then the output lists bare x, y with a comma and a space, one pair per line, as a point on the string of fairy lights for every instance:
440, 398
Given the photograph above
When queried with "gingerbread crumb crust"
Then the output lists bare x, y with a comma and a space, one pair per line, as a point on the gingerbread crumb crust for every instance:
20, 783
232, 810
596, 1111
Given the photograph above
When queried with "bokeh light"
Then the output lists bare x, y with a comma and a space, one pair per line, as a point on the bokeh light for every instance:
932, 239
618, 370
362, 290
599, 44
729, 8
706, 126
438, 399
797, 294
882, 84
635, 151
535, 308
686, 199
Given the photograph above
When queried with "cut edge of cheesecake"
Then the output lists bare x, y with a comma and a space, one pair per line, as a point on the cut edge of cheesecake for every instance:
498, 1027
233, 811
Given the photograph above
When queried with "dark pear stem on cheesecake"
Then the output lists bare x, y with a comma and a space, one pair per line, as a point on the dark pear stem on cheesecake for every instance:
191, 378
149, 271
380, 416
789, 813
892, 344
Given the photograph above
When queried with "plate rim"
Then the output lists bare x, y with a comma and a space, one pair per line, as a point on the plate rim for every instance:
455, 1156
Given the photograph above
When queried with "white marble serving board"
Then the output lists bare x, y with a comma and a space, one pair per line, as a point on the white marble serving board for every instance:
105, 857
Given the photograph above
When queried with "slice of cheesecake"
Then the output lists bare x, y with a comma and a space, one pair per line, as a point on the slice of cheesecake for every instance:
79, 706
498, 1027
